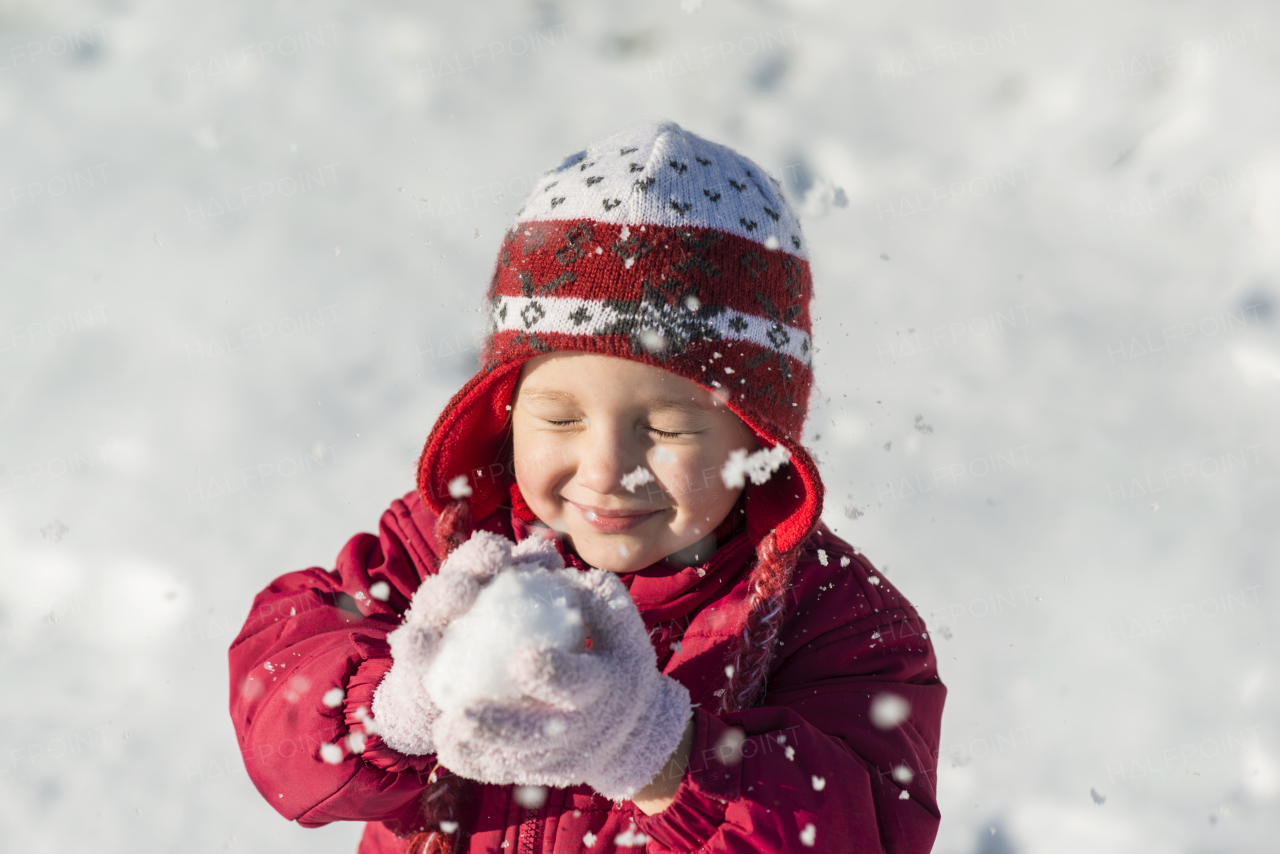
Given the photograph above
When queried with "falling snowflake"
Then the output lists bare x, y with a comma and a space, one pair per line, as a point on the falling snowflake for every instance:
653, 341
904, 795
808, 835
370, 725
531, 797
448, 827
631, 837
588, 839
819, 783
355, 742
729, 747
639, 477
889, 710
459, 487
1097, 798
903, 775
791, 753
822, 556
380, 590
759, 466
331, 753
333, 697
844, 560
55, 531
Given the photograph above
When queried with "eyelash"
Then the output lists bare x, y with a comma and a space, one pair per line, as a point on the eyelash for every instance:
663, 434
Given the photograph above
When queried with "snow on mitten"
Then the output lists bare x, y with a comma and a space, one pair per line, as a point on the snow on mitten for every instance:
401, 705
604, 716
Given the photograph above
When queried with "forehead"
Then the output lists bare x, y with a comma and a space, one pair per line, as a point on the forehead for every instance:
591, 379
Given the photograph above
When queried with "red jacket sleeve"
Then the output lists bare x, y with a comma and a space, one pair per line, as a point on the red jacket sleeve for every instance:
809, 770
304, 669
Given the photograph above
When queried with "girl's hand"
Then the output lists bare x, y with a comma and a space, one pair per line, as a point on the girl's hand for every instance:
604, 716
404, 712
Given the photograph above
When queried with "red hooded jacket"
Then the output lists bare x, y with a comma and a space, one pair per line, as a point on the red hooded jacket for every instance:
808, 769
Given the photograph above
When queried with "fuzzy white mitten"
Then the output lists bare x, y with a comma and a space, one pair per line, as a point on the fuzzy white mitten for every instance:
402, 707
604, 715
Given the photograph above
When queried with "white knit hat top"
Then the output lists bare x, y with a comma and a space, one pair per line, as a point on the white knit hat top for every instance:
660, 174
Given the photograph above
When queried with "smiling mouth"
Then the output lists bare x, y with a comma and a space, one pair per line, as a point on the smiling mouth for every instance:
614, 521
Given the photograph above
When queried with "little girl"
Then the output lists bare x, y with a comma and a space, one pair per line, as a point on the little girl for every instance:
748, 682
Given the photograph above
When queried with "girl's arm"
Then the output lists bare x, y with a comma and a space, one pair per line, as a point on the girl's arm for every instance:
303, 672
809, 770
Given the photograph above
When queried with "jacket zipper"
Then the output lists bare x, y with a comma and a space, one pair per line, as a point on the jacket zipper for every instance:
529, 836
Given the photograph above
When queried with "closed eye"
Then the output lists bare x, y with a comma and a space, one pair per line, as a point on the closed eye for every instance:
663, 434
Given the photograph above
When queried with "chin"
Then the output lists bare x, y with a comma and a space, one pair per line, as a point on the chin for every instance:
605, 555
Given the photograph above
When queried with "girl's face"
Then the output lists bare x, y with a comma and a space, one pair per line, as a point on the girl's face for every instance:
585, 427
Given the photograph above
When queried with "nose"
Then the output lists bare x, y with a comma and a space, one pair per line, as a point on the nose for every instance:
607, 452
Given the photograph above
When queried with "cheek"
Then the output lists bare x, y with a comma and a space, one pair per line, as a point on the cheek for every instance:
540, 464
693, 478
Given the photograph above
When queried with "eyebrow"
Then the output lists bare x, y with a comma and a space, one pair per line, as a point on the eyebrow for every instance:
660, 403
547, 394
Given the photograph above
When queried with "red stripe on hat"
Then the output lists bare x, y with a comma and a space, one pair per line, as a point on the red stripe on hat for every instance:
594, 260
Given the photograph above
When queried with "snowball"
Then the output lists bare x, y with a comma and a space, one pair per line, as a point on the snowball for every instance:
520, 608
889, 710
639, 477
759, 466
808, 835
459, 487
380, 590
331, 753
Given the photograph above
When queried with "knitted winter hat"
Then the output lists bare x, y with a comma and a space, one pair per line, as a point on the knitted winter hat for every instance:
658, 246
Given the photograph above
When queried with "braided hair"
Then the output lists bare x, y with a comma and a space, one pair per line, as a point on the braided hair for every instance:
766, 609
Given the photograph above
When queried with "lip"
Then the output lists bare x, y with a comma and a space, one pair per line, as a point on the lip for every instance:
613, 521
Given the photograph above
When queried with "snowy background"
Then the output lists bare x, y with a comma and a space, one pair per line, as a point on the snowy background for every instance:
242, 252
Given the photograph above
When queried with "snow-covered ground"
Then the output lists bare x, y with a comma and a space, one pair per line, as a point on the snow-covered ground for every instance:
242, 250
